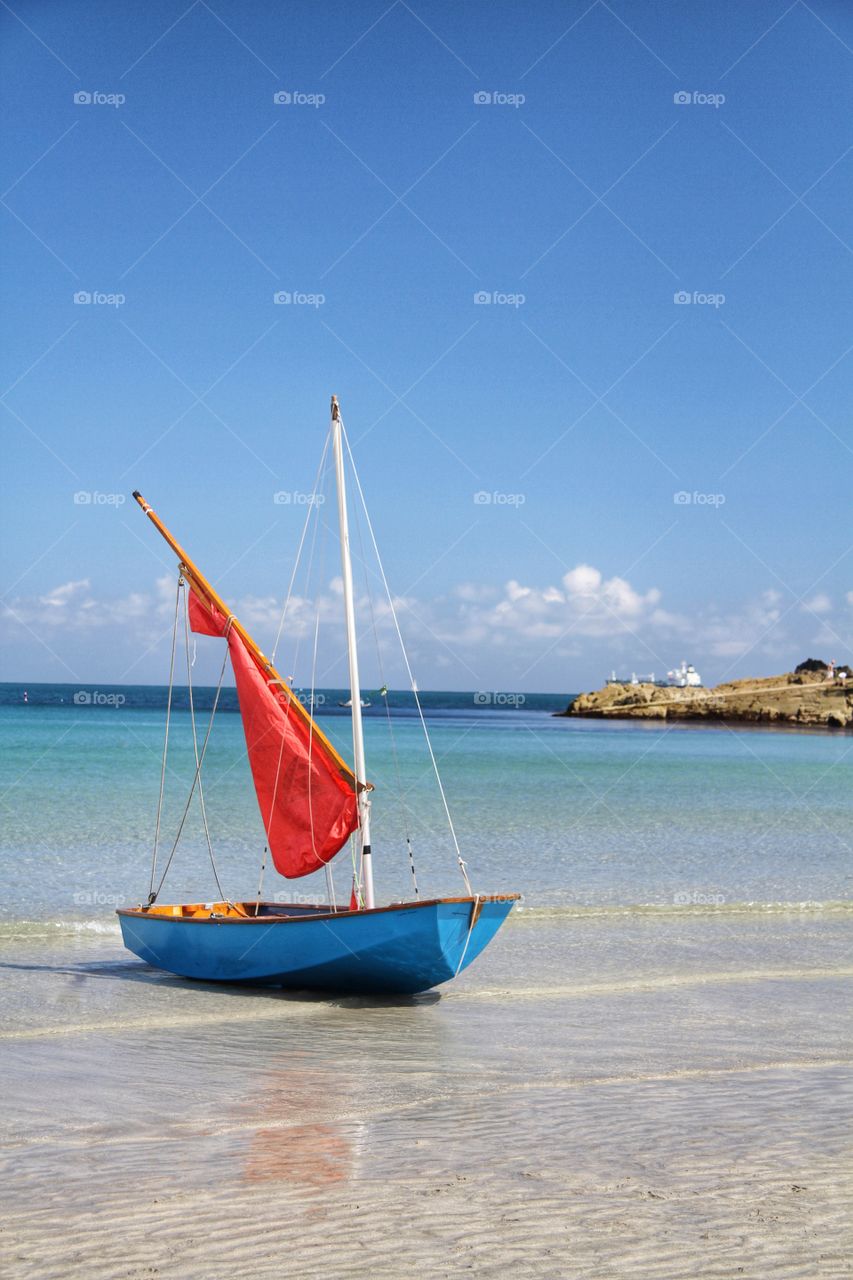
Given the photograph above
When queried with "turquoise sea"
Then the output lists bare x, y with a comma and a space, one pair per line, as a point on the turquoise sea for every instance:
575, 815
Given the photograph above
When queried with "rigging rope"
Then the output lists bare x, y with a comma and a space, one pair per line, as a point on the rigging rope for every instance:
313, 511
472, 920
261, 878
152, 897
330, 881
384, 686
151, 894
311, 725
195, 736
459, 858
312, 508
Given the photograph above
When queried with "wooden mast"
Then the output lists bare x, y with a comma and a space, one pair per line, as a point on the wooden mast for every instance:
201, 585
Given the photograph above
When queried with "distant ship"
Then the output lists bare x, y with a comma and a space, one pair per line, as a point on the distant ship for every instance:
364, 702
684, 677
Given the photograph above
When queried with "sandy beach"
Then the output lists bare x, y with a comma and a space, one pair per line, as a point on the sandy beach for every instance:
604, 1095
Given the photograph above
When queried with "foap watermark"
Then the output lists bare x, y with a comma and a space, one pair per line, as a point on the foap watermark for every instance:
310, 700
83, 98
288, 298
296, 498
95, 898
497, 98
94, 698
92, 498
95, 298
684, 499
297, 898
698, 898
482, 498
683, 298
695, 98
494, 297
294, 98
486, 698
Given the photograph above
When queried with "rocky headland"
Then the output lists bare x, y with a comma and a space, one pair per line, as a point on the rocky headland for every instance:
804, 698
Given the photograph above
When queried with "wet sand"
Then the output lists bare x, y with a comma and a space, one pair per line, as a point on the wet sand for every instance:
659, 1096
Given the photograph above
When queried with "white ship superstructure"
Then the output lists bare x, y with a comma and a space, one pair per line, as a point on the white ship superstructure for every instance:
684, 677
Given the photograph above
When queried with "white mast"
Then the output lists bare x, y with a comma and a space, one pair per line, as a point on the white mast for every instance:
355, 684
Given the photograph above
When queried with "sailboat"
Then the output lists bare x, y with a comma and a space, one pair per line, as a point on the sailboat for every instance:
312, 803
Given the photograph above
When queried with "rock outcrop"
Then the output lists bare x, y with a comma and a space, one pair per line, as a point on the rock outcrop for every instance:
805, 698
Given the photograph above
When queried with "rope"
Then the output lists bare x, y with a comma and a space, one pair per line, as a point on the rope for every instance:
151, 894
199, 763
356, 874
383, 685
312, 508
330, 887
414, 687
195, 736
471, 922
261, 878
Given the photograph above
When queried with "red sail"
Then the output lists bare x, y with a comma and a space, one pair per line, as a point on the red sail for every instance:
308, 807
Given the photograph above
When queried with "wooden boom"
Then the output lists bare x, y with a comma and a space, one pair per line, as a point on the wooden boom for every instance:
204, 588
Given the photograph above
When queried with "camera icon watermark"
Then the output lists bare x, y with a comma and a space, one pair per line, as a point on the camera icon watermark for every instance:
684, 499
496, 98
695, 898
94, 898
694, 98
682, 298
482, 498
311, 700
93, 498
82, 98
296, 498
484, 698
494, 297
288, 298
293, 98
94, 698
85, 298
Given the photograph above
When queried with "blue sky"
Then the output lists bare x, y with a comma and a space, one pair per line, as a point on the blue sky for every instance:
619, 156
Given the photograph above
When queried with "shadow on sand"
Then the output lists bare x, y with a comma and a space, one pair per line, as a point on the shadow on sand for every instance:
138, 971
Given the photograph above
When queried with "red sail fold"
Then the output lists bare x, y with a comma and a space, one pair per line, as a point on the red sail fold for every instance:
308, 807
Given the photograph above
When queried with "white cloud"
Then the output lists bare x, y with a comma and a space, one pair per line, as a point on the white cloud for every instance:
819, 603
583, 618
73, 607
751, 629
582, 581
68, 593
587, 605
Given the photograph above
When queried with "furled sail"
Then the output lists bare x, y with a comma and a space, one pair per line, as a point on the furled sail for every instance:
306, 795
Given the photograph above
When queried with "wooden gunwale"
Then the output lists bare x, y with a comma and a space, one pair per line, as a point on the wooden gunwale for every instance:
159, 914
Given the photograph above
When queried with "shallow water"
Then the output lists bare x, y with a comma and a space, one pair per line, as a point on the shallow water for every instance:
642, 1096
566, 812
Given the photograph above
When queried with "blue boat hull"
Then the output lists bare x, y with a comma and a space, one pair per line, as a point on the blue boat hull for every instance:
402, 949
